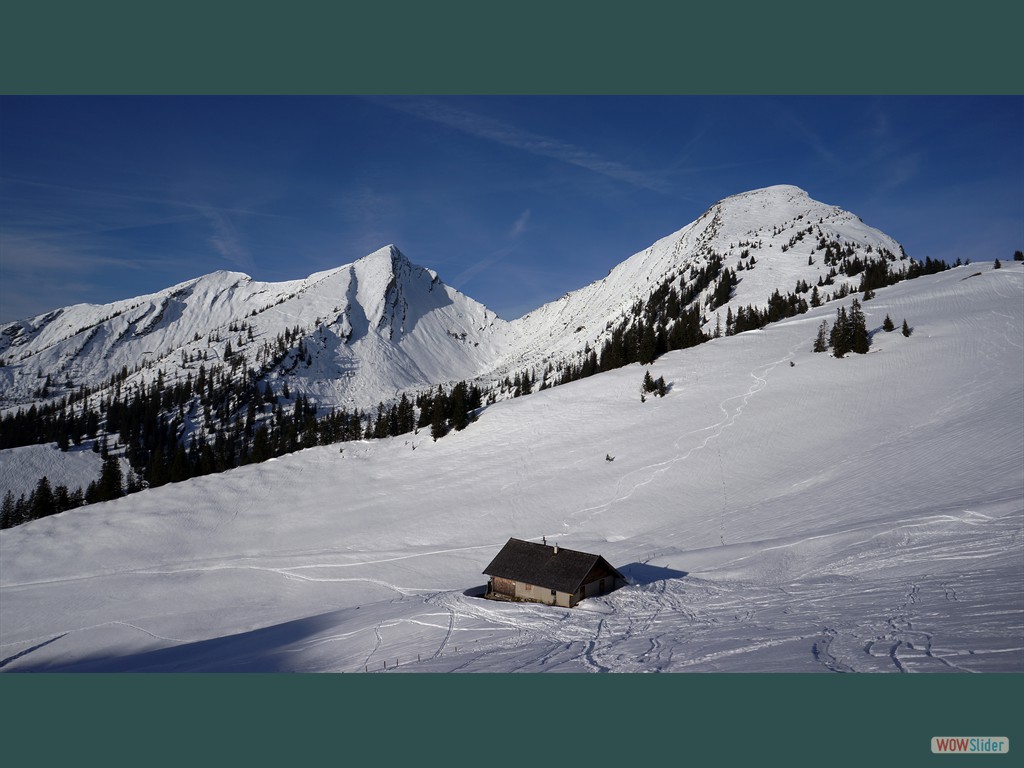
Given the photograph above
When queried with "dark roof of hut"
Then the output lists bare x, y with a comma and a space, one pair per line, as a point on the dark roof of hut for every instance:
550, 567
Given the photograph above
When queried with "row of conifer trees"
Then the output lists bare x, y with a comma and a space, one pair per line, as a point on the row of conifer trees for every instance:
242, 424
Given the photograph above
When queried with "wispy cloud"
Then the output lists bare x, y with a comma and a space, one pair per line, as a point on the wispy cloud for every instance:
374, 218
66, 240
516, 138
460, 280
31, 257
790, 121
893, 160
519, 227
37, 274
135, 196
902, 169
226, 240
367, 206
514, 234
62, 230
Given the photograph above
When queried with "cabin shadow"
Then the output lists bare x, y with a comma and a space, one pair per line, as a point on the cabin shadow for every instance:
637, 575
641, 574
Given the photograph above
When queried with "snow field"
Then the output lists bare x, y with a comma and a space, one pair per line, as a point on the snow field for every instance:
862, 514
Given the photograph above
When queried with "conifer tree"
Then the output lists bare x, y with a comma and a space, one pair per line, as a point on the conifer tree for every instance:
405, 415
111, 479
179, 471
261, 445
648, 385
133, 485
380, 424
525, 384
426, 406
61, 498
8, 511
42, 502
860, 341
723, 291
906, 328
438, 423
157, 470
888, 325
647, 349
821, 342
839, 336
459, 408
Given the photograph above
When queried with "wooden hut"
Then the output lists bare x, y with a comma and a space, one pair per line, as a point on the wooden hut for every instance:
553, 575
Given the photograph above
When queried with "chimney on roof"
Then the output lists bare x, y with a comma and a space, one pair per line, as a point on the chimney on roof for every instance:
545, 540
556, 547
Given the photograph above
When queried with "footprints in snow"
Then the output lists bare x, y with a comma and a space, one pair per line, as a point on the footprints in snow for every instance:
899, 644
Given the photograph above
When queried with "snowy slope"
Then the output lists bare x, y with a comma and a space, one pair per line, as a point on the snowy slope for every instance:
21, 468
864, 514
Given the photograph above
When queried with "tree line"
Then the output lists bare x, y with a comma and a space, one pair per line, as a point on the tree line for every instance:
193, 427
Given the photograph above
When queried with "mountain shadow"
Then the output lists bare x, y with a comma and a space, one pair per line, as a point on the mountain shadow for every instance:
260, 650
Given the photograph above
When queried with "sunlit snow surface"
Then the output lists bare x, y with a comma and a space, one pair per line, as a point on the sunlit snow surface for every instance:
862, 514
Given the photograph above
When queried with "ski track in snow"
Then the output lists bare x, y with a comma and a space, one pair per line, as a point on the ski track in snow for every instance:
730, 415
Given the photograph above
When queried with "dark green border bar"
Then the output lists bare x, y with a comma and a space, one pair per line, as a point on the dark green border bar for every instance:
707, 719
495, 48
528, 47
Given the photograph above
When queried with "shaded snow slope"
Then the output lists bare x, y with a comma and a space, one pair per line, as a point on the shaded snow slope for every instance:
857, 514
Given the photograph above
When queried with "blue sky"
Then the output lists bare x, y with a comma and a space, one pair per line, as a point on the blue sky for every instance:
512, 200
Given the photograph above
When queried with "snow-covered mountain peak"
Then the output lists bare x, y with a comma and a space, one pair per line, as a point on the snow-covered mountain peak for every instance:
369, 329
387, 259
771, 193
777, 207
775, 239
356, 334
